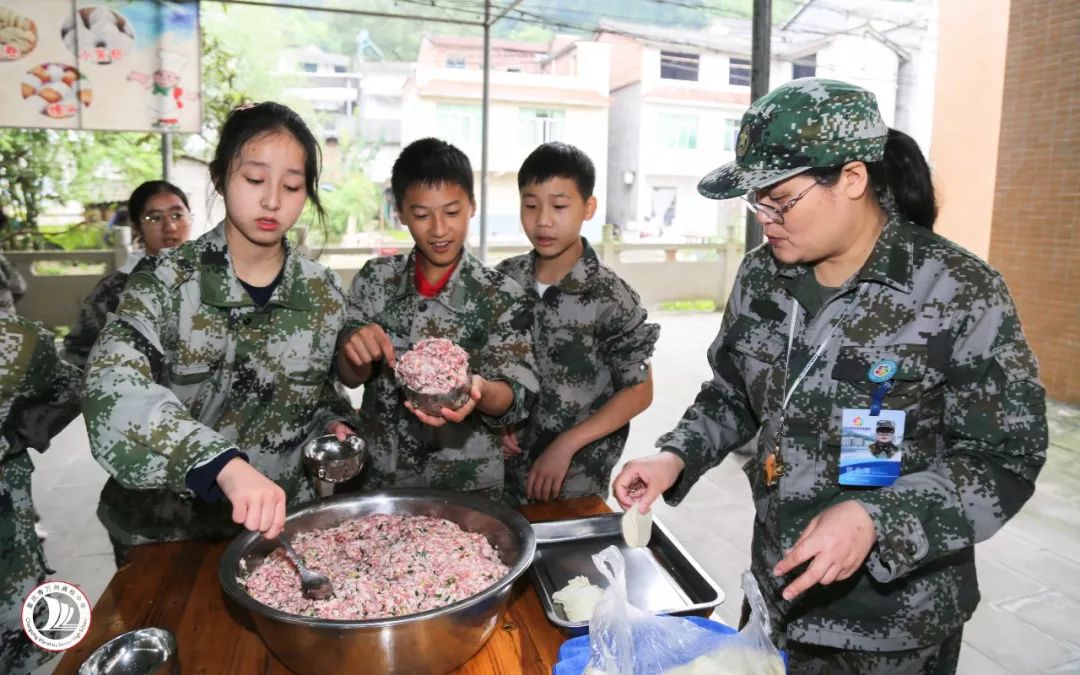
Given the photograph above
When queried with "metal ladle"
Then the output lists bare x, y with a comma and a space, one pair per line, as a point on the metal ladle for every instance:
315, 585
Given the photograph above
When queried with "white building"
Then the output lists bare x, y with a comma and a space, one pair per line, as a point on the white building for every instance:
539, 92
329, 83
908, 28
381, 84
677, 99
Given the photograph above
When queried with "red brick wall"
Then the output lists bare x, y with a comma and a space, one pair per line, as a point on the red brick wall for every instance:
1035, 236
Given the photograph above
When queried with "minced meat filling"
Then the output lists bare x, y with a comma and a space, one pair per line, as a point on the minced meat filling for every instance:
434, 366
381, 566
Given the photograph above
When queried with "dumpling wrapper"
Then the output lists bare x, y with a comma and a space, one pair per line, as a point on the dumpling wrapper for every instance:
637, 527
578, 598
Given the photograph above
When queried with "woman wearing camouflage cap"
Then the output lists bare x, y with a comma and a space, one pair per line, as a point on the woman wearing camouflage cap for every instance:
855, 311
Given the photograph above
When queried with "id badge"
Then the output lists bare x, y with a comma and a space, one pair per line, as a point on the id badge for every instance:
870, 447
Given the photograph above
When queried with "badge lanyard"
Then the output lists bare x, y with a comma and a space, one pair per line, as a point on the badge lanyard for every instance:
774, 466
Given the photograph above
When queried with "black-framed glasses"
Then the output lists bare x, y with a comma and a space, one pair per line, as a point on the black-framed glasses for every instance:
774, 214
175, 217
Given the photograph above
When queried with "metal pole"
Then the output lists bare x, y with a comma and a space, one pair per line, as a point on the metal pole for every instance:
166, 156
484, 134
761, 54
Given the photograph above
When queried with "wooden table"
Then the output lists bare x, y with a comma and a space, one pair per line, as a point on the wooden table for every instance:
175, 586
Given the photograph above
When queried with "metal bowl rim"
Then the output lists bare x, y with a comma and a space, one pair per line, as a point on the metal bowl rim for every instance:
333, 438
230, 560
128, 636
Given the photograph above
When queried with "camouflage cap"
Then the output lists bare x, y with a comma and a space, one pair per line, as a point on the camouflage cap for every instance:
885, 425
803, 124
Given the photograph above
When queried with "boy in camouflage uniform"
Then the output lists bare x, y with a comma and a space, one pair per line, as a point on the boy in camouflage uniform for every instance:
437, 290
855, 303
39, 396
590, 337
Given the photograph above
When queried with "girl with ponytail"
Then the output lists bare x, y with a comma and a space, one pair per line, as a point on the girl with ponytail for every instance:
856, 328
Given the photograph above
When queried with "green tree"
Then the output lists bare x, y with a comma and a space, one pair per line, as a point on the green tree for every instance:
35, 162
108, 164
237, 66
354, 197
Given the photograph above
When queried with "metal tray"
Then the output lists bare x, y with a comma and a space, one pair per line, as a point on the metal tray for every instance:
661, 578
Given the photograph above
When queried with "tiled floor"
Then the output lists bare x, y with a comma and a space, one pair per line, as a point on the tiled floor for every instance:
1029, 572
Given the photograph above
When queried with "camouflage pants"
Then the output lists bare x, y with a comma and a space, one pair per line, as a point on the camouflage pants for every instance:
22, 566
939, 659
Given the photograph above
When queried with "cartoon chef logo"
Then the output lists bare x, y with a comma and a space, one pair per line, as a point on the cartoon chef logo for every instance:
167, 97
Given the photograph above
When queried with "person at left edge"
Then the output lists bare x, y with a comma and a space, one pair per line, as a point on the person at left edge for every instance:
39, 396
217, 365
12, 284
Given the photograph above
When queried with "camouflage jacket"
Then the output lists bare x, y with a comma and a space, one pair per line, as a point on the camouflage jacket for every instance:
95, 310
189, 367
39, 396
481, 310
975, 435
12, 285
590, 339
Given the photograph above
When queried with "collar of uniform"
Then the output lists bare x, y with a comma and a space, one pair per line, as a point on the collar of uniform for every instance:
453, 295
220, 287
577, 280
890, 261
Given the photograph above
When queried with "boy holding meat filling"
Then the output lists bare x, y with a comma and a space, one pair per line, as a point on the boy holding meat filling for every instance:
590, 336
438, 290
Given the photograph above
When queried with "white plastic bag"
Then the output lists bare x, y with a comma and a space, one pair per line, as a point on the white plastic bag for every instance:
625, 640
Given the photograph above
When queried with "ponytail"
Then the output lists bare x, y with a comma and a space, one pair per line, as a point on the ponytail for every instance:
905, 175
901, 180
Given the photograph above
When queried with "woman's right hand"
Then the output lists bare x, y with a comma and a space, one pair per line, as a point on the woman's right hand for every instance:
258, 502
366, 346
643, 480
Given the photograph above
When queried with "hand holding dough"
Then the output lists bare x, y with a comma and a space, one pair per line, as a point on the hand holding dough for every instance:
636, 527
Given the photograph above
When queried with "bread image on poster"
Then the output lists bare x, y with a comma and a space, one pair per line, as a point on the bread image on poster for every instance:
56, 90
18, 35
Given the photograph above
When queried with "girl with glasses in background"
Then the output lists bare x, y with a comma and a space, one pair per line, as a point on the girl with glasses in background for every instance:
160, 219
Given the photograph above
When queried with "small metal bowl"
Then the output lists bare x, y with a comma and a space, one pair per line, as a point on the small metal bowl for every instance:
147, 651
432, 404
332, 460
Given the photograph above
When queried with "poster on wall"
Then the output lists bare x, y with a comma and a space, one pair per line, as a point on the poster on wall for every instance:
121, 65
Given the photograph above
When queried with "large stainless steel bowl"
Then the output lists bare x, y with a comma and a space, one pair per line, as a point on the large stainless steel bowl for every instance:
426, 643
